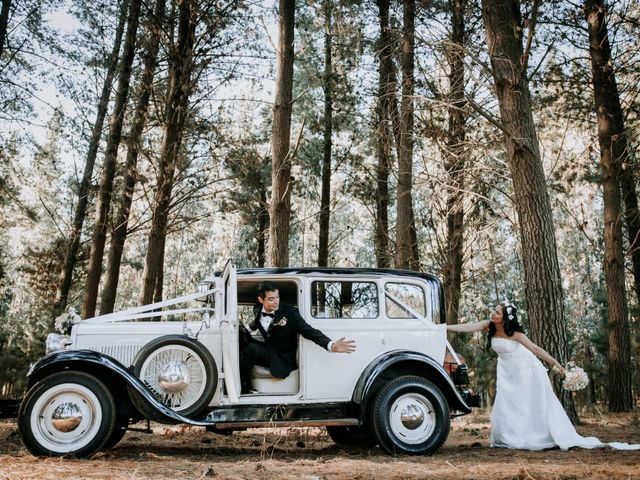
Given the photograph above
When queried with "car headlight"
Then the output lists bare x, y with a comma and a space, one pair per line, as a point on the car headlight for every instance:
56, 342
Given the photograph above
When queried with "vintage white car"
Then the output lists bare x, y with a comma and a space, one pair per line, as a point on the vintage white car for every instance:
180, 365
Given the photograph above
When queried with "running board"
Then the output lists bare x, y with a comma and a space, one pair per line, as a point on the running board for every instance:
318, 414
336, 422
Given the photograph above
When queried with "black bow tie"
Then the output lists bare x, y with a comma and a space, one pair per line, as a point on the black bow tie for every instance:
265, 314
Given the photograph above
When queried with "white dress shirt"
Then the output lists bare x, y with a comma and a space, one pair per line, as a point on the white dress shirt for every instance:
265, 321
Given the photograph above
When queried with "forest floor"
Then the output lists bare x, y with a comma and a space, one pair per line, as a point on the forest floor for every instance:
308, 453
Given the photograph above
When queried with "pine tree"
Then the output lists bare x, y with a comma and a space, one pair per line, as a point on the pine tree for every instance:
539, 251
280, 204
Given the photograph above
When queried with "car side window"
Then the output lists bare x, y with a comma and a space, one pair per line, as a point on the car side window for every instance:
344, 299
399, 294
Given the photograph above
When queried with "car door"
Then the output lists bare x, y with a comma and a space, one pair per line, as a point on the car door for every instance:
340, 307
229, 324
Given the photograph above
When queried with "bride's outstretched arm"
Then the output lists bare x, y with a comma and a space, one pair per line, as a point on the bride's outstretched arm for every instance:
538, 351
469, 327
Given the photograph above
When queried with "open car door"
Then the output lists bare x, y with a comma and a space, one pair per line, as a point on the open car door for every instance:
228, 300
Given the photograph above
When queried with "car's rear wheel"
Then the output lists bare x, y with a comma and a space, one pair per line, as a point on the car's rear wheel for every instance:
411, 415
353, 436
179, 371
67, 413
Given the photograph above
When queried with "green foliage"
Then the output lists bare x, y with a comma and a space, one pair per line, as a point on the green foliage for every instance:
29, 42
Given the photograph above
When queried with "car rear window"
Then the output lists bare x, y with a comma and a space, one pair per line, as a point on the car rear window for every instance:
400, 294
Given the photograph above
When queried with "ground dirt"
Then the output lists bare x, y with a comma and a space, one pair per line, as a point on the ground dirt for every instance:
308, 453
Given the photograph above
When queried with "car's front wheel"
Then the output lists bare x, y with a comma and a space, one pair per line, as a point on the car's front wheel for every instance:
410, 415
67, 413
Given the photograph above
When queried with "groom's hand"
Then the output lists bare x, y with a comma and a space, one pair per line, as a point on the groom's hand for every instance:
343, 346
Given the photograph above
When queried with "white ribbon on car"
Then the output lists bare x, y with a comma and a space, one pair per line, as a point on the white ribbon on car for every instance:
152, 310
428, 323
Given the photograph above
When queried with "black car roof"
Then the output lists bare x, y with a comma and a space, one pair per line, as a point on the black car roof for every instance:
349, 271
335, 271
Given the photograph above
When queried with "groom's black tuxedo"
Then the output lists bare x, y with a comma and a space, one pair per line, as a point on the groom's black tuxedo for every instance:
281, 338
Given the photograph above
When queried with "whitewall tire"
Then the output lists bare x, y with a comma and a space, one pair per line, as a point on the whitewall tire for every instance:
67, 413
411, 416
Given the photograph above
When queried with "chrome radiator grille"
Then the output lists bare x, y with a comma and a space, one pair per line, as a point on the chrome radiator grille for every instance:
124, 353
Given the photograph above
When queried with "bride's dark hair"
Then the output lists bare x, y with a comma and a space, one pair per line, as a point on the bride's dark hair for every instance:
509, 322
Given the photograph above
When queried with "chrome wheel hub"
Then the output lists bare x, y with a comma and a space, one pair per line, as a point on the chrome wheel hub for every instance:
66, 417
174, 377
412, 418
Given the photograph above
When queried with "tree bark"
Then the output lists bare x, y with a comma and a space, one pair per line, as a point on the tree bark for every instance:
613, 154
455, 164
4, 22
180, 69
386, 90
73, 243
280, 208
503, 23
631, 211
263, 227
325, 197
94, 269
406, 243
159, 286
121, 222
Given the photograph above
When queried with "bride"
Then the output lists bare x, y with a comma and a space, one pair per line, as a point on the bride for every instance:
526, 413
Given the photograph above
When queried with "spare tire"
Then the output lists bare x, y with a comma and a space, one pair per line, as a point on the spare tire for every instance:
180, 371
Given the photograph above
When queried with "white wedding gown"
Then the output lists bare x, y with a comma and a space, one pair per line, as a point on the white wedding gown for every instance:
526, 413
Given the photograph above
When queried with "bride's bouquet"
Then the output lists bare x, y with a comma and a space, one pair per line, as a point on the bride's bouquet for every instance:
575, 378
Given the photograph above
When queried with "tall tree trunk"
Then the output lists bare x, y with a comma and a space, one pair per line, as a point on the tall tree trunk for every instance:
280, 208
4, 22
455, 163
94, 270
325, 197
180, 69
503, 25
159, 286
73, 243
121, 221
613, 154
263, 227
386, 90
406, 247
631, 211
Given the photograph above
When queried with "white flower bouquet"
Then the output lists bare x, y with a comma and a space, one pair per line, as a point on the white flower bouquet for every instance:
64, 322
575, 379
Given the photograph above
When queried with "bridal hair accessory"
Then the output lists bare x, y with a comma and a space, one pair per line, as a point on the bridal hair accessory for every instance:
575, 378
510, 308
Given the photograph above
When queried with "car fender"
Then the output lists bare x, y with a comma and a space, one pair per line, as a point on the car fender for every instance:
99, 364
407, 362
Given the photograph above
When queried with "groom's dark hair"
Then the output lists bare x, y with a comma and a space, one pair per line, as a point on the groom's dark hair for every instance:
264, 287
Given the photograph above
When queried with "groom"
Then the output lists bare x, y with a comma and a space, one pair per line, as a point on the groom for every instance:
279, 324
